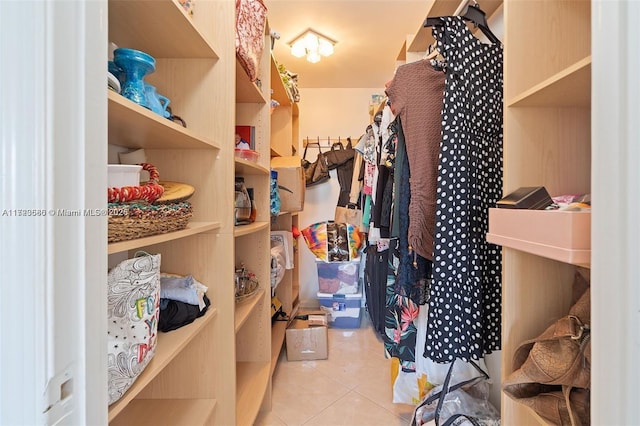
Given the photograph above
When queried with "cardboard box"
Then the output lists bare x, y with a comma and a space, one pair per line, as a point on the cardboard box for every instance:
305, 342
290, 181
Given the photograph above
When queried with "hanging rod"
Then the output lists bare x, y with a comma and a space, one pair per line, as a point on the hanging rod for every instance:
327, 142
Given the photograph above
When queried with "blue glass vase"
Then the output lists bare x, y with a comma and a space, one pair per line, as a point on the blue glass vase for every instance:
135, 66
157, 102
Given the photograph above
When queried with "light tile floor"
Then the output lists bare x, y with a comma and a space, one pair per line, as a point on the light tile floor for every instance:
351, 387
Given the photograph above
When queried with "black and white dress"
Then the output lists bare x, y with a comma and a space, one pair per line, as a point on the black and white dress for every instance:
465, 295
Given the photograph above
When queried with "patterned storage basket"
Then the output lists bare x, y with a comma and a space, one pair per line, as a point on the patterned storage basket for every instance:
251, 18
131, 221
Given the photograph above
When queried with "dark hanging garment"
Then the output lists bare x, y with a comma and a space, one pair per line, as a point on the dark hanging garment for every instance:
464, 319
375, 286
341, 159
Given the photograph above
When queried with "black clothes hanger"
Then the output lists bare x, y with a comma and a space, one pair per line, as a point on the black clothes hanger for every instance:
473, 14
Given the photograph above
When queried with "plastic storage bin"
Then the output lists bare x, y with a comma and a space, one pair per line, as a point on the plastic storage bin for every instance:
338, 277
344, 310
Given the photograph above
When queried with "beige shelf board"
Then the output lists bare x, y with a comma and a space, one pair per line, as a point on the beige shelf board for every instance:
168, 346
246, 90
167, 412
240, 230
559, 235
280, 92
278, 331
402, 54
570, 87
246, 167
133, 126
574, 257
191, 229
424, 37
244, 309
163, 31
295, 293
292, 213
252, 379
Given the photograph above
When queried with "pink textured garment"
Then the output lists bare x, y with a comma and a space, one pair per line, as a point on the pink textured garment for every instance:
416, 95
251, 18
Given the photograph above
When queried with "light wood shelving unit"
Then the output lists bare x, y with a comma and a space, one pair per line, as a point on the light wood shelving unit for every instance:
547, 142
216, 370
252, 319
284, 138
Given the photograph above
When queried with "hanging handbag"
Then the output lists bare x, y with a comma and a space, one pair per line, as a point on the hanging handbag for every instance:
133, 296
316, 172
552, 373
350, 213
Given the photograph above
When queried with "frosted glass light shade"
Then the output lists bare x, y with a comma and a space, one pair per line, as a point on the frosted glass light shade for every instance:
312, 45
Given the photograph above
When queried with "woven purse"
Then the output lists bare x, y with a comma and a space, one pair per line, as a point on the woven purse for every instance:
552, 373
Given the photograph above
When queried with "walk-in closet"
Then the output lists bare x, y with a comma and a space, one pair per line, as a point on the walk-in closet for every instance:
426, 215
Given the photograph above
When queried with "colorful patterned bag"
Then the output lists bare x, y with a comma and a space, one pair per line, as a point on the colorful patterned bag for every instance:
133, 309
332, 241
251, 16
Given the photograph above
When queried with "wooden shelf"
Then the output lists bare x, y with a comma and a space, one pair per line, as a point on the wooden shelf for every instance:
547, 142
246, 90
252, 379
242, 230
246, 167
169, 345
192, 228
571, 87
167, 412
135, 25
558, 235
423, 38
245, 308
133, 126
280, 92
278, 331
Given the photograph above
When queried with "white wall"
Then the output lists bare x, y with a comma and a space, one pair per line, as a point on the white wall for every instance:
326, 113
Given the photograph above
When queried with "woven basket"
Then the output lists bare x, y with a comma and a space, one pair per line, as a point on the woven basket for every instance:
137, 220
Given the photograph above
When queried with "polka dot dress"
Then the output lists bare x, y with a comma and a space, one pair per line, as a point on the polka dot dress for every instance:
465, 296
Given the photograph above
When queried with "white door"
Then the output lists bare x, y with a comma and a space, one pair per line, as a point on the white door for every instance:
615, 226
52, 255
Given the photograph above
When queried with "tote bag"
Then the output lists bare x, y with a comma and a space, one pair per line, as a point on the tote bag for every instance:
316, 172
133, 298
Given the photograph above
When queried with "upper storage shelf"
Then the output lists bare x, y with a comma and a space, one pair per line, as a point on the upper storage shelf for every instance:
280, 92
163, 31
552, 42
570, 87
246, 90
134, 126
423, 37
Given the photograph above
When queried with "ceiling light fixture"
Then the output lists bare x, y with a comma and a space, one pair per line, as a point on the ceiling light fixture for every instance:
313, 45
